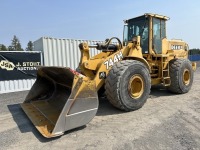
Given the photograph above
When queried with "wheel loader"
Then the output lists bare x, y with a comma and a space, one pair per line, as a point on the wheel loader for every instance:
62, 99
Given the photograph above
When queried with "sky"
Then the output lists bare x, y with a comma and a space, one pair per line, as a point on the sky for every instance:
93, 20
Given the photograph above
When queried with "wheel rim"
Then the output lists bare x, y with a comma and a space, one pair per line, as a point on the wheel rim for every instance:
186, 77
136, 86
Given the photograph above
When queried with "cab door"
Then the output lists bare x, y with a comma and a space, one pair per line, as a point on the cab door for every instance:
159, 33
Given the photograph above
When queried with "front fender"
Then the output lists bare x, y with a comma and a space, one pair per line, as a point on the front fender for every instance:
139, 59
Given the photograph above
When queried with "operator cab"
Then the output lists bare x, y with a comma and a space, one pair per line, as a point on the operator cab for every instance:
150, 27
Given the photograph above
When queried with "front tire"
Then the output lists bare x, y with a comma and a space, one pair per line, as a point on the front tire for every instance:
128, 84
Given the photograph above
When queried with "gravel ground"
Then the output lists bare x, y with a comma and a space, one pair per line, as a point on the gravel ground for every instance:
198, 63
166, 121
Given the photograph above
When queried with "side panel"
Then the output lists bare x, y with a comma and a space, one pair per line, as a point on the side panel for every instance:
15, 85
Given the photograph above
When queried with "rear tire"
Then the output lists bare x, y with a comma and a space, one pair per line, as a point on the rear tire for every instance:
181, 75
128, 84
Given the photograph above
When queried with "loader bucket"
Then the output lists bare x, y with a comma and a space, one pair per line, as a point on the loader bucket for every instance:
60, 100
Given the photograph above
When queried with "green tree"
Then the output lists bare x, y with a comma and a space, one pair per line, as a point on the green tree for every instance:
3, 47
15, 45
29, 46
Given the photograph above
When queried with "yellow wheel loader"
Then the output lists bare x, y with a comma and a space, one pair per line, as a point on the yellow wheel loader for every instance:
62, 99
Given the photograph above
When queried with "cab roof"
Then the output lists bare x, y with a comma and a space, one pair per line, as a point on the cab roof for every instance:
157, 16
152, 15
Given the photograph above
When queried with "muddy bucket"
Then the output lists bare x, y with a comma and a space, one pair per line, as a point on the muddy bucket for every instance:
60, 99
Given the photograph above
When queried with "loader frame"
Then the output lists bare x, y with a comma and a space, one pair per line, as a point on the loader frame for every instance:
63, 99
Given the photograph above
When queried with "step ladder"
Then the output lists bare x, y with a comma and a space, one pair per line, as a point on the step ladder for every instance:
165, 71
155, 70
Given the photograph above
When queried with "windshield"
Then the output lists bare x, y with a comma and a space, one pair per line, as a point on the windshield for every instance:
138, 27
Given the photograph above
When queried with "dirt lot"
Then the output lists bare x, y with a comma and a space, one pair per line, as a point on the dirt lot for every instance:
166, 121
